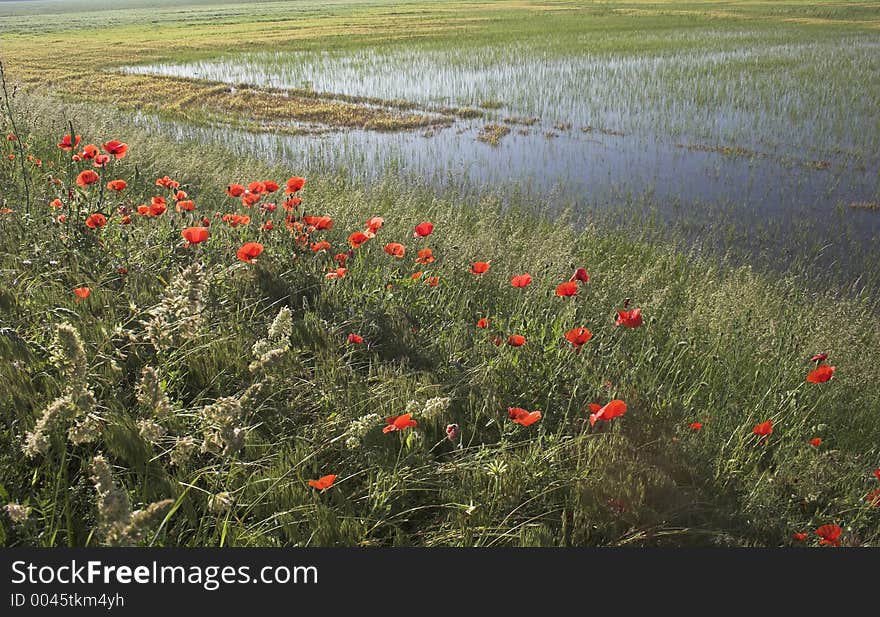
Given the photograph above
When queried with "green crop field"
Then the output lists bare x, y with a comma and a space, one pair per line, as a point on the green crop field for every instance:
237, 330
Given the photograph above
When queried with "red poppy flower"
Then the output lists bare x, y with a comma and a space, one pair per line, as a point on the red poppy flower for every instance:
185, 205
56, 203
580, 275
235, 190
480, 267
516, 340
432, 281
340, 258
426, 256
357, 239
523, 417
317, 247
799, 536
270, 186
629, 319
82, 293
179, 195
821, 374
96, 220
268, 226
483, 323
830, 535
816, 442
101, 160
87, 177
568, 288
167, 182
423, 230
323, 483
375, 223
695, 426
578, 336
521, 280
395, 249
819, 357
250, 199
294, 185
116, 148
763, 428
249, 251
319, 222
256, 187
338, 273
873, 498
69, 143
195, 235
416, 275
876, 473
89, 152
613, 409
399, 423
355, 339
117, 185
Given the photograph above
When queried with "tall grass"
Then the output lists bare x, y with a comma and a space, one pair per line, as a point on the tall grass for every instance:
721, 345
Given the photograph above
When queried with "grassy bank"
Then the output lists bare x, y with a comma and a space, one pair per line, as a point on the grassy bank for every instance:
239, 408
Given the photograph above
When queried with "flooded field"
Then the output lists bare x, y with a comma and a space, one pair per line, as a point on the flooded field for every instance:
768, 148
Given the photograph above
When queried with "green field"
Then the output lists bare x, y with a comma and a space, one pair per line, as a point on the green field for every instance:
192, 396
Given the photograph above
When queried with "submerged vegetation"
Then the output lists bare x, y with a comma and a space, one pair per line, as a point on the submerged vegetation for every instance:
202, 345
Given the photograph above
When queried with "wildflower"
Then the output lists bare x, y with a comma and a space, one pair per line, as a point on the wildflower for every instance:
873, 498
185, 205
375, 223
435, 407
323, 483
523, 417
483, 323
479, 267
56, 203
87, 177
184, 448
821, 374
763, 428
319, 222
799, 536
357, 239
521, 280
317, 247
425, 256
338, 273
249, 251
395, 249
116, 148
221, 420
452, 432
69, 143
294, 185
578, 337
568, 288
399, 423
17, 513
830, 535
695, 426
580, 275
82, 293
355, 339
816, 442
819, 357
516, 340
432, 281
606, 413
423, 230
235, 190
416, 275
101, 160
89, 152
629, 319
117, 185
195, 235
270, 186
167, 182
